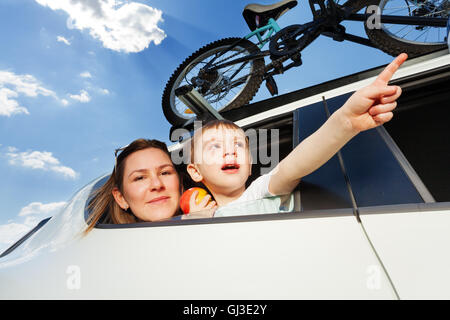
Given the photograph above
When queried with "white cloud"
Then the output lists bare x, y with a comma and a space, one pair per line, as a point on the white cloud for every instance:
26, 84
86, 74
104, 91
39, 208
30, 215
39, 161
62, 39
82, 97
120, 26
8, 106
12, 85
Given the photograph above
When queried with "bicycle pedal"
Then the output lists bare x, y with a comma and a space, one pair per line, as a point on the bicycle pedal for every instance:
271, 85
297, 59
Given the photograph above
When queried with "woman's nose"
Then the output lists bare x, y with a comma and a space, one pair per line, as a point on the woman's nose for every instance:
156, 183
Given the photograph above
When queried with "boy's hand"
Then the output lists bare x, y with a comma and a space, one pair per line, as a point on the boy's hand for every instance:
372, 106
205, 204
201, 210
207, 213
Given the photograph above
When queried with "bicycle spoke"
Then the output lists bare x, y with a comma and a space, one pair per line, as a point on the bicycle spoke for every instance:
427, 33
238, 70
399, 9
404, 27
402, 7
412, 29
237, 82
420, 36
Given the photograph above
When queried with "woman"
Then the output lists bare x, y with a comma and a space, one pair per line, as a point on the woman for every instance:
144, 186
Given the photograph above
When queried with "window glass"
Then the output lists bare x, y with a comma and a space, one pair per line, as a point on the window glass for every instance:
374, 173
420, 129
326, 187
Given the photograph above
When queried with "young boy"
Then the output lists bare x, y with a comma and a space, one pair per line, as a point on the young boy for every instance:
220, 155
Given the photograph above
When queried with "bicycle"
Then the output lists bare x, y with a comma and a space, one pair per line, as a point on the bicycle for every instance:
229, 72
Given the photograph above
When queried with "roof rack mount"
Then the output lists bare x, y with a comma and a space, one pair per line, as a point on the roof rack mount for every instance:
197, 104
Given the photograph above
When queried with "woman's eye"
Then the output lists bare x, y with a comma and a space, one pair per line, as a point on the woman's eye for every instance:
240, 144
166, 173
138, 178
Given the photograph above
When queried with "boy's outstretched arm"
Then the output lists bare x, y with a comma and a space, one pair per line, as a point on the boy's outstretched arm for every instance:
367, 108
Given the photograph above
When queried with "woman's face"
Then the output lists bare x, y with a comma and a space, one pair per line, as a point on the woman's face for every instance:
151, 186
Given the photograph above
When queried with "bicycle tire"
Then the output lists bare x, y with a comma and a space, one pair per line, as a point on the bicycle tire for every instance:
251, 85
357, 5
394, 45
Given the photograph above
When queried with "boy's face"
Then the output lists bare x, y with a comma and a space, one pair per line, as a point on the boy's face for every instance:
222, 159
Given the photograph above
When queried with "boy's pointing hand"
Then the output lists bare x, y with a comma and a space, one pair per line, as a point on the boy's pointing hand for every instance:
372, 105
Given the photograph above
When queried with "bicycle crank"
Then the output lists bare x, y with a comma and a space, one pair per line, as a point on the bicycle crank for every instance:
288, 40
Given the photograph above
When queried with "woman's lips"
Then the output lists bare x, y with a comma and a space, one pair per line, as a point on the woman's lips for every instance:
159, 200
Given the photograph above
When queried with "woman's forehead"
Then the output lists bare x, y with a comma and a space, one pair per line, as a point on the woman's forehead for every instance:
149, 158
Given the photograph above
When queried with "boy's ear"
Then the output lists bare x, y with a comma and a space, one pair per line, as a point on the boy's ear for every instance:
194, 172
120, 200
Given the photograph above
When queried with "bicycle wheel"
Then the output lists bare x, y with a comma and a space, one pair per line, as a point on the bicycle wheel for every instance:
414, 40
227, 88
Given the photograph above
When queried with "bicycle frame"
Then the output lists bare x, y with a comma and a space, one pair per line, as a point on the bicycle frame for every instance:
272, 27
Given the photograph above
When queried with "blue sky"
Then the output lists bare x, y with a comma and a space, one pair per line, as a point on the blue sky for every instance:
80, 78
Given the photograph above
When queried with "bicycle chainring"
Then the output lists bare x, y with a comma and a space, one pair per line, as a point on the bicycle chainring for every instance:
288, 40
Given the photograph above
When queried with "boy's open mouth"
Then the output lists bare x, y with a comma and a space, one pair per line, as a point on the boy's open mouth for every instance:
230, 167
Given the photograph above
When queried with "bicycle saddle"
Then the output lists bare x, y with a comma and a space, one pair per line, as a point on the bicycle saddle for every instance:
257, 15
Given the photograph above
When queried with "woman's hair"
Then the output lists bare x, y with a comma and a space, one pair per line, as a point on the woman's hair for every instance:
103, 204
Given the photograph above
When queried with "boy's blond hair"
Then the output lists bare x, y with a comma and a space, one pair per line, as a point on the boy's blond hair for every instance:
214, 124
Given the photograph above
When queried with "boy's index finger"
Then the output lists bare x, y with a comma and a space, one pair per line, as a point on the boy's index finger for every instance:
205, 200
192, 199
386, 75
